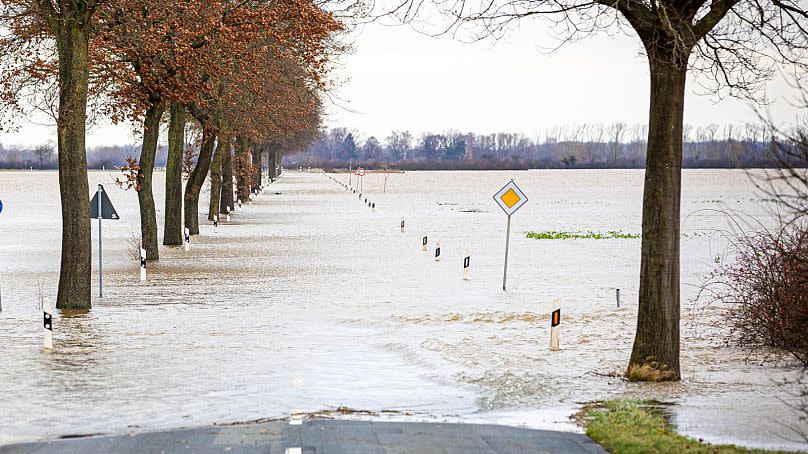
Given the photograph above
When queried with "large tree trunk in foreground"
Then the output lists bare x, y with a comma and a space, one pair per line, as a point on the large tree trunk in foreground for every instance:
74, 190
655, 355
172, 228
145, 195
197, 179
227, 182
216, 176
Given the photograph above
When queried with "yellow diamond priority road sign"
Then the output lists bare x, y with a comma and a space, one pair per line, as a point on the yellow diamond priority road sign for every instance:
510, 198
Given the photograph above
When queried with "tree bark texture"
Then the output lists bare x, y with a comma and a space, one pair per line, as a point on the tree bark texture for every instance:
172, 227
145, 195
656, 343
226, 199
197, 179
75, 269
222, 148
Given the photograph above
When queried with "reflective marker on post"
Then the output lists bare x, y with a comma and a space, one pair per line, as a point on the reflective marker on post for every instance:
374, 206
402, 225
617, 295
239, 203
424, 242
142, 264
437, 251
47, 313
215, 220
466, 266
187, 239
555, 321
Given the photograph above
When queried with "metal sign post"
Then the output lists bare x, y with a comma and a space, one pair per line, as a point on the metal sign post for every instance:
101, 208
510, 198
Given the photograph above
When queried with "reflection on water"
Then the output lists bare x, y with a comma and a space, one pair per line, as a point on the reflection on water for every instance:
310, 300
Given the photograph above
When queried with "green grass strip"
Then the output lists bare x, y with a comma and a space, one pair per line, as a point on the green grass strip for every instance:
626, 426
564, 235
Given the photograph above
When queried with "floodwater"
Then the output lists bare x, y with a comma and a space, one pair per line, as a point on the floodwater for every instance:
309, 300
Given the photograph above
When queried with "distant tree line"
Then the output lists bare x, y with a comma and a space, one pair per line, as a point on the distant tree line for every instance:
43, 156
616, 145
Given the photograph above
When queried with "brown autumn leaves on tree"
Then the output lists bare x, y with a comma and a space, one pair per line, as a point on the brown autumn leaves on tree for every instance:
138, 59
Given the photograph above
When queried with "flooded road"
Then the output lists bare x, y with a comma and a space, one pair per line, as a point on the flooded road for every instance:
310, 300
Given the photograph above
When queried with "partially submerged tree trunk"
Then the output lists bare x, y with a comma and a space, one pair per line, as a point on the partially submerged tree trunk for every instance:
242, 158
226, 199
256, 160
197, 179
273, 161
655, 355
145, 196
279, 163
222, 148
75, 270
172, 228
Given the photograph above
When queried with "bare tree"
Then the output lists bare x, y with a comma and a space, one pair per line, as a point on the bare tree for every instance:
732, 46
44, 153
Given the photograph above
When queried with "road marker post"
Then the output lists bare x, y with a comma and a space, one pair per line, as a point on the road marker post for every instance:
510, 198
402, 225
47, 316
424, 242
617, 295
437, 251
187, 236
215, 220
555, 322
466, 268
142, 264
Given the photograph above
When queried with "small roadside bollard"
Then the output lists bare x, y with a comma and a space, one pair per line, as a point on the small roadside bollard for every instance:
374, 207
142, 264
366, 200
47, 315
239, 203
215, 220
249, 200
360, 196
437, 251
555, 321
187, 235
466, 268
402, 225
617, 296
424, 242
227, 219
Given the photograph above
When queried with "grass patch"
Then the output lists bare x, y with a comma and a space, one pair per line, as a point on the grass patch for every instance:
627, 426
564, 235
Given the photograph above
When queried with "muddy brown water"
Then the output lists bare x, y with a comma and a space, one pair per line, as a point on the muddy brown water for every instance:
309, 300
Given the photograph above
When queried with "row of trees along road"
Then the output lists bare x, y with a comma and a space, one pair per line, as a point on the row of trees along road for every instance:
732, 46
247, 74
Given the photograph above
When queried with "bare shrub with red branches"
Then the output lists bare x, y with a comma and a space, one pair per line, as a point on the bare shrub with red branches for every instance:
762, 295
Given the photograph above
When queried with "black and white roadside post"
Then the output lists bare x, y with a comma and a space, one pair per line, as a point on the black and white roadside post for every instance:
227, 218
402, 225
437, 251
467, 268
424, 243
555, 321
215, 220
510, 198
142, 264
187, 237
101, 208
374, 207
617, 296
239, 203
47, 317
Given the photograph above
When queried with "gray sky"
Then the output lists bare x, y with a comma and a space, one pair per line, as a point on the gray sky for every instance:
398, 79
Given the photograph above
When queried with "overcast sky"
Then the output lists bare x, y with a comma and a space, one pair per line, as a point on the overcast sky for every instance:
398, 79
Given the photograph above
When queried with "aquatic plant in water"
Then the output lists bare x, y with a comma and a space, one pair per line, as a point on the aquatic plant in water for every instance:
565, 235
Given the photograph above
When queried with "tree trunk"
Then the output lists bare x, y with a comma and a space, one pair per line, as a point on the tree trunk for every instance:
242, 190
256, 160
226, 199
172, 228
74, 190
272, 169
197, 179
279, 163
655, 355
145, 196
216, 176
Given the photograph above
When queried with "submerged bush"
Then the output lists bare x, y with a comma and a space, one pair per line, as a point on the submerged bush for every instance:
564, 235
763, 293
